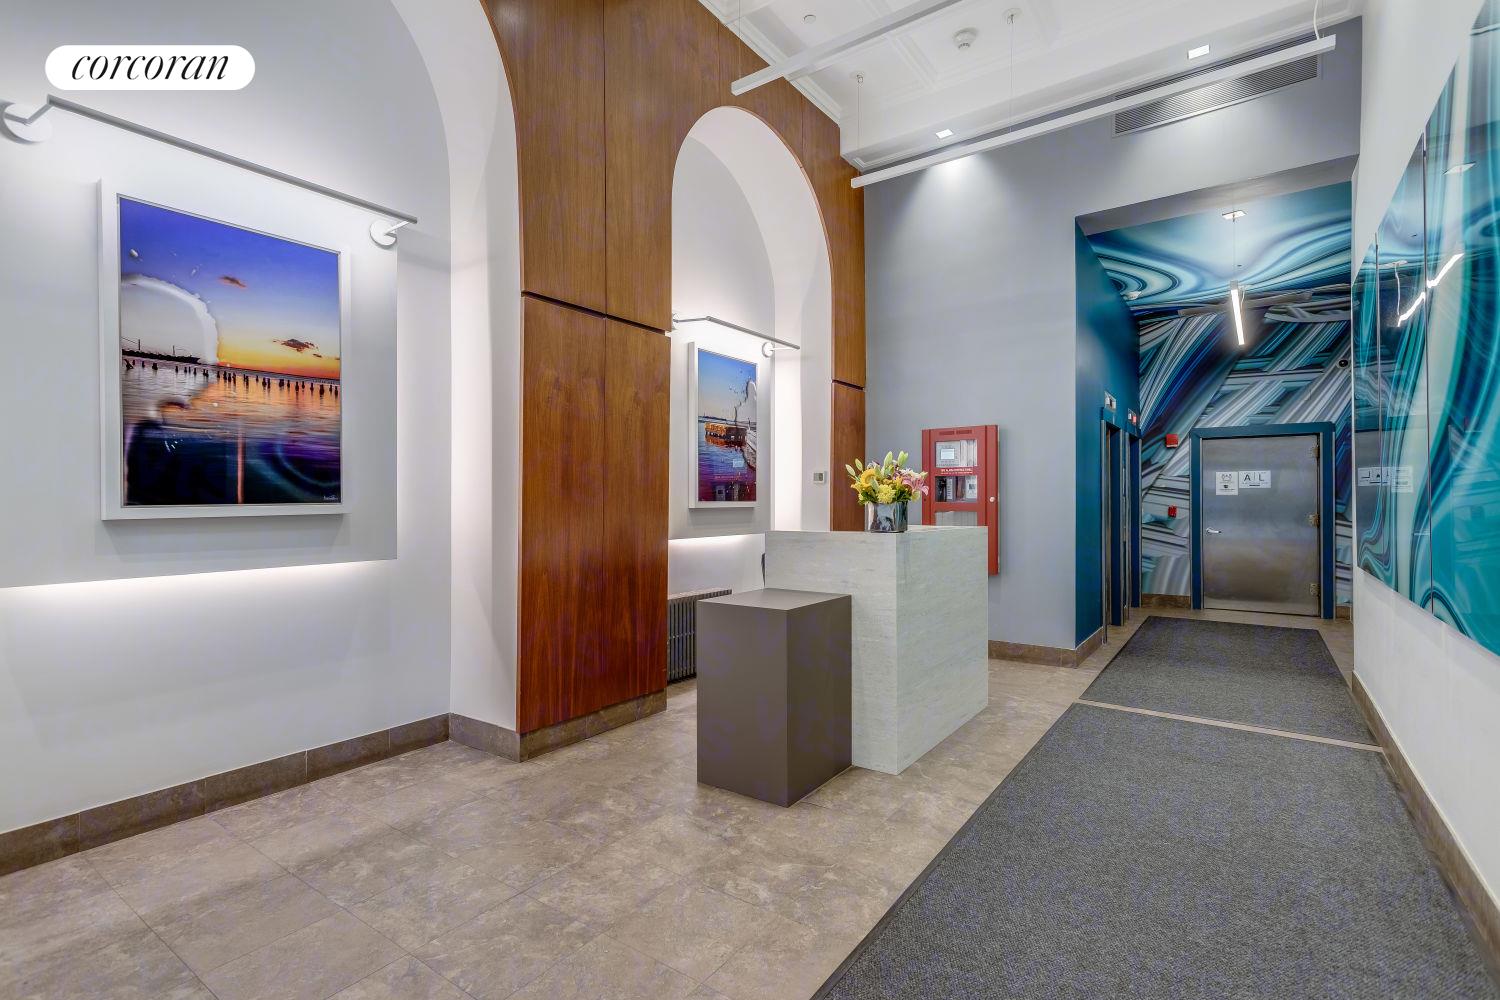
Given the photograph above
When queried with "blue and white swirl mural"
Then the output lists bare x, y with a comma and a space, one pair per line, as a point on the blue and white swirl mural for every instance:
1427, 361
1291, 254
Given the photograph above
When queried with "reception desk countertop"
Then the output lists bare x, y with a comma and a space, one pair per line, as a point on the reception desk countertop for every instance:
920, 614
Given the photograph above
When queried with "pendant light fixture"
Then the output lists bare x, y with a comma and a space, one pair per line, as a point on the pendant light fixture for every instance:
1236, 289
1236, 306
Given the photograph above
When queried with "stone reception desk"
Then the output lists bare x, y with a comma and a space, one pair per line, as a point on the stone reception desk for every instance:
920, 613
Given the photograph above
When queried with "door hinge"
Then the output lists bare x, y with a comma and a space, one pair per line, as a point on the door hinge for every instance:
1317, 591
1314, 520
1317, 449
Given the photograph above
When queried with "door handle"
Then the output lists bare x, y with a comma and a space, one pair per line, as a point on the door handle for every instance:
1213, 531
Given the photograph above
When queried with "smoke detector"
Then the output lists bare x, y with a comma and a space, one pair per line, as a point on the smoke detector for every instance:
964, 38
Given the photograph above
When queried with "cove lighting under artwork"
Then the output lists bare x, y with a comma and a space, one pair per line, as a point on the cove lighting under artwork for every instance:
722, 400
1291, 254
1427, 361
228, 361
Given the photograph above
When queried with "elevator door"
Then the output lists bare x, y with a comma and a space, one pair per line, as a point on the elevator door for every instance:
1260, 541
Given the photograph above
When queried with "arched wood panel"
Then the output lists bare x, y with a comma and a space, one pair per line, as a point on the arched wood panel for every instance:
656, 88
605, 91
553, 51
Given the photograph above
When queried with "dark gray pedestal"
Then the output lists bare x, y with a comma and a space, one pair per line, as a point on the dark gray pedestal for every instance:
773, 692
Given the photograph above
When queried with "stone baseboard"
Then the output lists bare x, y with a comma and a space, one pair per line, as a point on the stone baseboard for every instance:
1052, 656
506, 743
58, 838
1166, 601
1482, 909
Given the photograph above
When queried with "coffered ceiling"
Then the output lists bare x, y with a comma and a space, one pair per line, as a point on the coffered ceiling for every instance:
917, 81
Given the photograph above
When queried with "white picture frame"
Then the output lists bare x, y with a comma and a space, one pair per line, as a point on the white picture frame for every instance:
282, 224
694, 436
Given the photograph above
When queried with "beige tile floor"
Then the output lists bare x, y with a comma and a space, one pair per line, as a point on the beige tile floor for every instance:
600, 870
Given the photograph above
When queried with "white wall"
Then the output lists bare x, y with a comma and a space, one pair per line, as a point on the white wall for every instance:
117, 687
748, 247
1438, 692
479, 121
720, 267
971, 303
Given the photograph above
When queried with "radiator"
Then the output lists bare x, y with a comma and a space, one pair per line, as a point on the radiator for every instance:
682, 633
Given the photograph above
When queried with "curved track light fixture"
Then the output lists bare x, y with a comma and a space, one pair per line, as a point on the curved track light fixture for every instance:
30, 124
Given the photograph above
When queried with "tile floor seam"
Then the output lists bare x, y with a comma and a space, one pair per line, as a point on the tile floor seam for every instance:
144, 923
296, 930
413, 955
555, 962
654, 960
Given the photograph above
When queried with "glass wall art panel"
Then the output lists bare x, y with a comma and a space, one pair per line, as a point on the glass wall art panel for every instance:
1427, 362
1463, 365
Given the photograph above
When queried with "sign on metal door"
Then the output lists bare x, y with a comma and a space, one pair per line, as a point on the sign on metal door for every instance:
1226, 484
1255, 479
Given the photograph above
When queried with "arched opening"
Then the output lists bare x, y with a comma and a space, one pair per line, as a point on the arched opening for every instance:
473, 96
748, 247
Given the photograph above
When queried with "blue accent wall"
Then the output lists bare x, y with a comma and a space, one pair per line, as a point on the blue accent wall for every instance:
1292, 254
1108, 360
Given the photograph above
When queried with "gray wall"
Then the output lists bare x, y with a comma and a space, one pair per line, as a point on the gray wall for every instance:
972, 314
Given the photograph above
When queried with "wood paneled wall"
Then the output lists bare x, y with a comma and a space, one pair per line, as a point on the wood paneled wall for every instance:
605, 91
848, 440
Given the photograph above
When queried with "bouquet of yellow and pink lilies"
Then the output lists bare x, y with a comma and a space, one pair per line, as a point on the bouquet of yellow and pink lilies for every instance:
886, 482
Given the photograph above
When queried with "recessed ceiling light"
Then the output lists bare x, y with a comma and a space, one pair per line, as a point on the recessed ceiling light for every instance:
1459, 168
1238, 213
944, 133
1198, 52
809, 18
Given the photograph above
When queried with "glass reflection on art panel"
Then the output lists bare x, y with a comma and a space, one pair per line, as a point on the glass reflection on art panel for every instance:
1368, 414
1463, 260
1399, 543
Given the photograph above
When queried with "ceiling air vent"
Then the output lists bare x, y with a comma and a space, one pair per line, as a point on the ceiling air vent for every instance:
1215, 96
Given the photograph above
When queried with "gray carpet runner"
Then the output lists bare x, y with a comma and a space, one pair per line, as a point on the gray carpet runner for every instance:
1131, 856
1277, 678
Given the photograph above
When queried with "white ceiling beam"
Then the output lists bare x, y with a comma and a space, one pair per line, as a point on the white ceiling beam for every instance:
820, 56
1228, 72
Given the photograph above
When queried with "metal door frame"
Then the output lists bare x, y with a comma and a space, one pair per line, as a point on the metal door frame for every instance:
1129, 482
1326, 460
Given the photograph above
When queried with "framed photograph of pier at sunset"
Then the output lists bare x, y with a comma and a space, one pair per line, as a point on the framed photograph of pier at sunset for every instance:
722, 402
222, 352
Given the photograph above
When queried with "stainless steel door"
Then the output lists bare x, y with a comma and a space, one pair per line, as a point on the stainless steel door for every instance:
1260, 541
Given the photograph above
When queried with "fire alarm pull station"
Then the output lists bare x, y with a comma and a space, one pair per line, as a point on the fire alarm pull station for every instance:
963, 469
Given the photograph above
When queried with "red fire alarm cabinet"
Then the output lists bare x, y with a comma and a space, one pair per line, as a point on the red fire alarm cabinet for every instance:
963, 471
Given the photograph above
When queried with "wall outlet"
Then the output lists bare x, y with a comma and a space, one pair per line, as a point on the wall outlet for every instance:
820, 478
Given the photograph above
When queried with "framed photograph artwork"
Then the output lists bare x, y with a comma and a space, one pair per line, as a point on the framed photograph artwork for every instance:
222, 353
722, 406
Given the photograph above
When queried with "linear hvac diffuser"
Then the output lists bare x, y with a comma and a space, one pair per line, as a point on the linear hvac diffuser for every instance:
1214, 96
